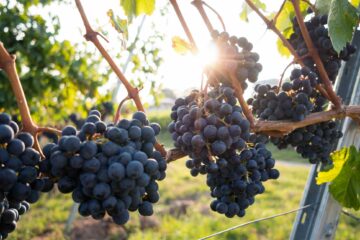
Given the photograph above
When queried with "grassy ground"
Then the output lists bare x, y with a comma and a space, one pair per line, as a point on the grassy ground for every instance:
182, 213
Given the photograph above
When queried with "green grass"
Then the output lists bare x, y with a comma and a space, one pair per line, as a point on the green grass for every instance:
47, 218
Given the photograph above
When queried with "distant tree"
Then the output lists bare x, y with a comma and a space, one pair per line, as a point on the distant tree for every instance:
58, 78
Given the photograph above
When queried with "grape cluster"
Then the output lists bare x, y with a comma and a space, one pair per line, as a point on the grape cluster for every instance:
238, 51
239, 178
314, 142
317, 27
208, 127
215, 135
108, 168
20, 183
294, 102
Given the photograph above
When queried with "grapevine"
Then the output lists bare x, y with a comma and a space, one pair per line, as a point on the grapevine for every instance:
113, 168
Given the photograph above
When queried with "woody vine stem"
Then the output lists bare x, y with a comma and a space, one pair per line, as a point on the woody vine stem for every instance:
274, 128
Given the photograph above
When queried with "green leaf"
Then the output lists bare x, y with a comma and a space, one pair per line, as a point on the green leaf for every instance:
345, 188
323, 6
355, 3
145, 6
338, 158
284, 51
180, 45
342, 21
284, 20
136, 7
246, 10
120, 25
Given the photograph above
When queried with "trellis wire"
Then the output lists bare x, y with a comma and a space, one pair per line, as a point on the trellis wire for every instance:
350, 215
255, 221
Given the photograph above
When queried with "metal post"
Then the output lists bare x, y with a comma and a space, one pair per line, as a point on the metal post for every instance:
320, 222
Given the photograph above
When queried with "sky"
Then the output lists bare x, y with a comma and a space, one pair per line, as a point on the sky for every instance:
178, 72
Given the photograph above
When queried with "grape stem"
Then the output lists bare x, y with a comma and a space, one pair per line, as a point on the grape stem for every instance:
315, 56
184, 25
118, 111
239, 95
217, 14
7, 63
199, 6
282, 76
133, 92
271, 25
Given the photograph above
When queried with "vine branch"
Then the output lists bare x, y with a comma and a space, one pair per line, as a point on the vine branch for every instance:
199, 5
285, 127
133, 92
183, 24
217, 14
7, 63
315, 56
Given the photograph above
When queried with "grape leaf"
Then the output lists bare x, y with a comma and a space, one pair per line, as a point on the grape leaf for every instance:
180, 45
136, 7
338, 158
283, 50
355, 3
284, 20
323, 6
246, 10
120, 25
342, 21
345, 188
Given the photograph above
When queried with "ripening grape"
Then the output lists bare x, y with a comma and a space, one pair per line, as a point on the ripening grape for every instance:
109, 168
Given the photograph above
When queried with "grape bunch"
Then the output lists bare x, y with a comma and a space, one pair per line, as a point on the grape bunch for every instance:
294, 102
313, 142
239, 178
20, 183
317, 27
208, 127
108, 168
214, 134
238, 51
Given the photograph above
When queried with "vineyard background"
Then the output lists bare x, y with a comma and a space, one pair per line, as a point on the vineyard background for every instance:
183, 211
